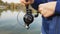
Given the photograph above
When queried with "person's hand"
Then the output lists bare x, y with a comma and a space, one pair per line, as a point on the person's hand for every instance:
47, 9
26, 3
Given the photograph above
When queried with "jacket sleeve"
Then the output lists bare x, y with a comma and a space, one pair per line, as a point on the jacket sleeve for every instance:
57, 8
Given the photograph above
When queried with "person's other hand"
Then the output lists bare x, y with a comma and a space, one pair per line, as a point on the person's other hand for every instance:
26, 3
47, 9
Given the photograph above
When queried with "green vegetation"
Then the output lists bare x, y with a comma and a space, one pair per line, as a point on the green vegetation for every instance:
13, 7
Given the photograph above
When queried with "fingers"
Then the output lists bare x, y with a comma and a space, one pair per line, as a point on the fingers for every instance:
43, 11
46, 10
26, 3
23, 2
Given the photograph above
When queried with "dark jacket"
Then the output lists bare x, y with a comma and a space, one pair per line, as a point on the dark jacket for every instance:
50, 25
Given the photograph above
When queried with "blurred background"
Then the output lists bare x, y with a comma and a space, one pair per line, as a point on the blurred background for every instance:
9, 10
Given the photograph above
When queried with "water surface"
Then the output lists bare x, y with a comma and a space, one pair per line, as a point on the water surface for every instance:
10, 25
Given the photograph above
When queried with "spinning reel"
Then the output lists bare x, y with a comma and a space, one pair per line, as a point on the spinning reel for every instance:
28, 17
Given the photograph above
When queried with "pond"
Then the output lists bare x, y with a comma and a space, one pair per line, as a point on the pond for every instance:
10, 25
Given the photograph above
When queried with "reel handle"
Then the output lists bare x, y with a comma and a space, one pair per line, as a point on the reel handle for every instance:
36, 15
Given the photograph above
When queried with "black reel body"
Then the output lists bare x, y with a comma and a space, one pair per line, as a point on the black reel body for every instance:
28, 17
